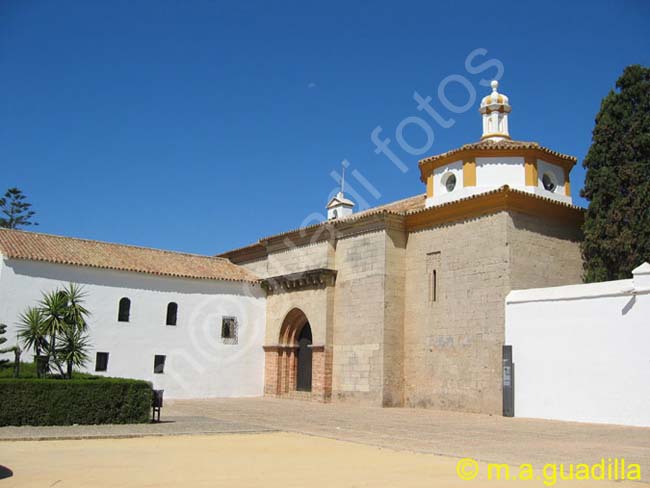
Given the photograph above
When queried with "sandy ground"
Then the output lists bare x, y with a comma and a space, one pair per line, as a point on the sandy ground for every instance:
236, 460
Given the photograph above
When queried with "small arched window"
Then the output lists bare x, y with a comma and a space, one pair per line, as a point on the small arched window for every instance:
172, 313
125, 310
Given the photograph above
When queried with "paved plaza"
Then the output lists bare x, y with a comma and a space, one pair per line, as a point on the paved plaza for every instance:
483, 437
255, 442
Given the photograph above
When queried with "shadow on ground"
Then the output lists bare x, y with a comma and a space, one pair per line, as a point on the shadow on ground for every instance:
5, 472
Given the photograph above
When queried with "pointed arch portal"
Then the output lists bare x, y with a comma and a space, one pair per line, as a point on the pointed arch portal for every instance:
296, 337
296, 367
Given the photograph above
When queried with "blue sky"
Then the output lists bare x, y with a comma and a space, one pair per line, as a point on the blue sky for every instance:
202, 126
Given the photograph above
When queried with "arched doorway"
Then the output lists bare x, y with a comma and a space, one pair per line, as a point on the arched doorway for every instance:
304, 359
296, 350
298, 365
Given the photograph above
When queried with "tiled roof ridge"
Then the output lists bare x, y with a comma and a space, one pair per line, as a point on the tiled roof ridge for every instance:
51, 248
117, 244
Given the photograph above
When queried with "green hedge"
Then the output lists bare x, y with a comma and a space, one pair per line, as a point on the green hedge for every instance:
76, 401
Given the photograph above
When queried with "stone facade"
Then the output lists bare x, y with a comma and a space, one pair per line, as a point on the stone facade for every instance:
452, 353
415, 315
453, 340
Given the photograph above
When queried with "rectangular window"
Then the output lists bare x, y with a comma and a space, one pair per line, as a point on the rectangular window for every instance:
229, 330
159, 364
101, 361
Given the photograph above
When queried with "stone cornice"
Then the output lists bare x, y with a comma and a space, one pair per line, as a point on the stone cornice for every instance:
313, 278
373, 223
492, 202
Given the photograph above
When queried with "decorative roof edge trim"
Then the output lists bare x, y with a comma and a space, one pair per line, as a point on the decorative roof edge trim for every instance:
503, 198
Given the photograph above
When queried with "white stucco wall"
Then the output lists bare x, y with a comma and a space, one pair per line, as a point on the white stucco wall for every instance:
440, 193
198, 363
582, 352
493, 173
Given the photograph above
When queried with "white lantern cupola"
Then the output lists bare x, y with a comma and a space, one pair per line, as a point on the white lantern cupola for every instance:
339, 206
495, 109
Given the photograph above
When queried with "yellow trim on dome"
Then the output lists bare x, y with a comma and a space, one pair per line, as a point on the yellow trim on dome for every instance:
530, 167
430, 186
469, 172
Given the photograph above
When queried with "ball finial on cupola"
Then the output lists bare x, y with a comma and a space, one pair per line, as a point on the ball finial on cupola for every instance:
495, 108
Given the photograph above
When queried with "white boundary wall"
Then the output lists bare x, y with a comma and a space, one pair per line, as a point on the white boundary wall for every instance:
198, 362
582, 352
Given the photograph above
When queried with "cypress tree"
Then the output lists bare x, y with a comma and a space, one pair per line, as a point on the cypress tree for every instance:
617, 184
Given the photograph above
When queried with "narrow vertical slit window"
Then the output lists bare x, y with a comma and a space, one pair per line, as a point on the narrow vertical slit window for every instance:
434, 286
433, 264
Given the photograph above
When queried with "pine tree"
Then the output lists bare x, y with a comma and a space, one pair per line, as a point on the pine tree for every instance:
15, 210
617, 185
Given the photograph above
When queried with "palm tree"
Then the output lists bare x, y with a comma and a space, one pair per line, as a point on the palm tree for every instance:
64, 322
31, 332
76, 313
54, 307
73, 349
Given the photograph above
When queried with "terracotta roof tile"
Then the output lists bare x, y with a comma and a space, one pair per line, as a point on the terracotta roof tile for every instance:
400, 206
34, 246
504, 144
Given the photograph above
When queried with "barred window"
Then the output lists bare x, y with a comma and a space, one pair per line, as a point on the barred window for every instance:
229, 330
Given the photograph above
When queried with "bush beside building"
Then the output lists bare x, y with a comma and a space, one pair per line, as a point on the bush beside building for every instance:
77, 401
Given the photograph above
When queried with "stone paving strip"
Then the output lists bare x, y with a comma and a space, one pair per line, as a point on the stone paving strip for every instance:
176, 425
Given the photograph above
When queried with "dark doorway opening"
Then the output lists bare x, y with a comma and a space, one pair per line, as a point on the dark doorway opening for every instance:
303, 380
